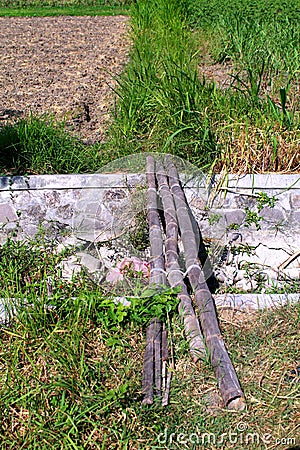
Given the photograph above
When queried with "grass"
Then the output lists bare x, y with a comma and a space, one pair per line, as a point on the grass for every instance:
39, 145
259, 42
71, 364
165, 104
160, 93
72, 376
51, 11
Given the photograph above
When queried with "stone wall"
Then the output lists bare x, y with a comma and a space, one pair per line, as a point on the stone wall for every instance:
245, 220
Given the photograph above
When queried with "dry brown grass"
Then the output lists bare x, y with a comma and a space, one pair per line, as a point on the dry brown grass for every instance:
249, 149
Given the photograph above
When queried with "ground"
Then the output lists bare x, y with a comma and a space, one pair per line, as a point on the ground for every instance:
62, 65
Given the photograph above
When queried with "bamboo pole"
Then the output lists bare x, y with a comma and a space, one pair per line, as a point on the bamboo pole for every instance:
152, 368
148, 366
174, 274
229, 386
164, 344
157, 358
169, 371
164, 356
166, 373
157, 260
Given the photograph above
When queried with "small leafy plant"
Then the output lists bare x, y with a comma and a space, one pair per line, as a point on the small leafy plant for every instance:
252, 217
214, 218
263, 199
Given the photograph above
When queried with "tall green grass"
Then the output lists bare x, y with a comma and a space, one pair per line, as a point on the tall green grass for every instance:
71, 369
166, 105
252, 35
40, 145
161, 98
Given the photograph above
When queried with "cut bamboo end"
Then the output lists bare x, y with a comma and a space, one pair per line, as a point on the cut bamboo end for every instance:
237, 404
198, 354
147, 401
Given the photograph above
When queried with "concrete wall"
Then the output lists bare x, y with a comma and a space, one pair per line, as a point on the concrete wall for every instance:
96, 208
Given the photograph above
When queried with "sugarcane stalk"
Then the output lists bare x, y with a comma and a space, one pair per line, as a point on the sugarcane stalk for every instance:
229, 385
174, 274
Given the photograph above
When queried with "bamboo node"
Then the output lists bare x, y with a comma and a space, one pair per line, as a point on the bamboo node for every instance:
157, 269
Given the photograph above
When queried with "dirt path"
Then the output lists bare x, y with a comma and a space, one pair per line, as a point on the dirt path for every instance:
63, 65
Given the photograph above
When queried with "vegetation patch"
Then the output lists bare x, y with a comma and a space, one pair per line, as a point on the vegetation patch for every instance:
171, 96
256, 44
167, 103
38, 145
40, 8
72, 375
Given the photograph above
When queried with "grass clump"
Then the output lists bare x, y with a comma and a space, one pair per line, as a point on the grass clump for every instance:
168, 102
254, 48
161, 98
38, 145
260, 40
71, 369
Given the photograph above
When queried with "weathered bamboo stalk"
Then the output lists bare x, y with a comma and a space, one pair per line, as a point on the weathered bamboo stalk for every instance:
166, 373
165, 399
169, 371
164, 344
229, 386
148, 366
174, 274
152, 368
157, 260
164, 356
157, 358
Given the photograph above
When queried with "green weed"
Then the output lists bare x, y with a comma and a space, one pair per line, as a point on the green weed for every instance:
160, 93
71, 365
38, 145
164, 105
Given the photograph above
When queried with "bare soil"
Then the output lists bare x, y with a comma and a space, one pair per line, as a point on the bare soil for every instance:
64, 66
